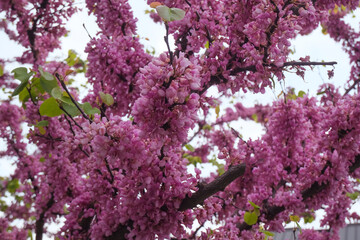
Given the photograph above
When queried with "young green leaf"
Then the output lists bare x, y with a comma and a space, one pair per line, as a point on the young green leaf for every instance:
254, 205
72, 58
50, 108
207, 44
19, 88
217, 111
164, 12
106, 98
267, 233
71, 109
22, 74
353, 196
48, 76
43, 123
56, 93
13, 185
301, 94
176, 14
24, 95
294, 218
308, 217
207, 127
170, 14
48, 85
250, 218
42, 130
190, 148
254, 117
89, 110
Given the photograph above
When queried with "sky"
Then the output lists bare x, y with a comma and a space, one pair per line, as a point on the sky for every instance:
317, 45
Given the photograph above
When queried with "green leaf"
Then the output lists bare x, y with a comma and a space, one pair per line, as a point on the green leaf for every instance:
217, 111
89, 110
66, 99
257, 211
301, 94
106, 98
43, 123
13, 185
22, 74
164, 12
19, 88
36, 87
294, 218
308, 218
221, 168
56, 93
42, 159
1, 70
254, 117
71, 59
42, 130
48, 85
71, 109
194, 160
3, 206
190, 148
353, 196
207, 44
66, 211
30, 235
206, 127
24, 95
267, 233
250, 218
50, 108
48, 76
176, 14
19, 198
170, 14
254, 205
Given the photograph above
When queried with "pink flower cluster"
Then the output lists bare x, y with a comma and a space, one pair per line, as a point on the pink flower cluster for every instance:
168, 101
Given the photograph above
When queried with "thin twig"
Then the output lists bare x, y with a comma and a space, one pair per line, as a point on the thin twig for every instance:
31, 97
71, 129
109, 170
166, 38
70, 117
86, 153
49, 138
252, 68
72, 99
352, 87
87, 31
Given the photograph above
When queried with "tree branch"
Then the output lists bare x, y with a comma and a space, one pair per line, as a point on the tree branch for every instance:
252, 68
219, 184
39, 225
